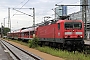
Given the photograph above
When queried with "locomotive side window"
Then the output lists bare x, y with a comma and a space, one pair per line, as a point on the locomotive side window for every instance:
58, 26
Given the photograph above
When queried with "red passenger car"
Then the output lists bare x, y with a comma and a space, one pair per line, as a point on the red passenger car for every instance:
27, 33
23, 34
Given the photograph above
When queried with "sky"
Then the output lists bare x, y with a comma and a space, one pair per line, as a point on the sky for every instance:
42, 8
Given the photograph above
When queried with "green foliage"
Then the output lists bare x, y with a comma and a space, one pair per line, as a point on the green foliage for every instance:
5, 30
33, 43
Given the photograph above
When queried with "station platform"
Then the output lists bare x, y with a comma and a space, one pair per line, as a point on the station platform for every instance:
87, 42
4, 55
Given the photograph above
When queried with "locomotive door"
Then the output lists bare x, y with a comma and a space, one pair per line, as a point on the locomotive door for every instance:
58, 29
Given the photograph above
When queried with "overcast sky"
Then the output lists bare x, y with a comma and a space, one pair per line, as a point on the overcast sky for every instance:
42, 8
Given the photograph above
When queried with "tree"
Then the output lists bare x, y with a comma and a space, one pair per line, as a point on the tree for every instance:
4, 30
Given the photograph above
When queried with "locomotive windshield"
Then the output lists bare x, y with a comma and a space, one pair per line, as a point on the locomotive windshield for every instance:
73, 25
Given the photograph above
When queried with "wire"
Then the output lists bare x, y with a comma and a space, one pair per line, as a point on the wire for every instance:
20, 3
24, 4
21, 6
65, 0
60, 2
71, 3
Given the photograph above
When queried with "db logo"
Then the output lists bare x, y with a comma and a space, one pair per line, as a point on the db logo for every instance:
58, 33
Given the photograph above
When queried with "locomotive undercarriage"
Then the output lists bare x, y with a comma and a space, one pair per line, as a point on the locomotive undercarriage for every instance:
74, 44
67, 44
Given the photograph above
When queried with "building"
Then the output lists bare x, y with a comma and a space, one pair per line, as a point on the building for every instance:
78, 15
61, 11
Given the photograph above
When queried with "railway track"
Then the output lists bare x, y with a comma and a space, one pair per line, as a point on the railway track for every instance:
18, 53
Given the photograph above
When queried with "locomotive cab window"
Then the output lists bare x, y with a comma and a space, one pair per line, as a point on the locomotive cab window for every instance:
73, 25
58, 26
78, 25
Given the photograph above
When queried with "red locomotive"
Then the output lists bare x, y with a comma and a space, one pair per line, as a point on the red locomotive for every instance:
67, 34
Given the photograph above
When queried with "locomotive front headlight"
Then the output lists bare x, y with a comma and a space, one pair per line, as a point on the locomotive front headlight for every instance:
65, 36
81, 36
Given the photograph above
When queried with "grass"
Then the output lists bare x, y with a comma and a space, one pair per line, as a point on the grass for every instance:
18, 41
64, 54
59, 53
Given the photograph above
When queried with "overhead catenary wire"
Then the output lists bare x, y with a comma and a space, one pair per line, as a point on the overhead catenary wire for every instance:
9, 19
70, 3
20, 3
23, 12
21, 6
4, 6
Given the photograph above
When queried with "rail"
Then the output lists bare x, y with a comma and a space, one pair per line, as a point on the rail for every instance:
18, 53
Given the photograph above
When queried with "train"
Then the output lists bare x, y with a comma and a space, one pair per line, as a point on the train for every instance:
65, 34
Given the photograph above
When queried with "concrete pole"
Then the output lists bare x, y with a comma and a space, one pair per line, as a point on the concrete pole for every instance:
9, 21
1, 31
85, 20
84, 16
34, 19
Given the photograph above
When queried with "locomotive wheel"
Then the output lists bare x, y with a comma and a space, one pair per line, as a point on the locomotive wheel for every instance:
40, 43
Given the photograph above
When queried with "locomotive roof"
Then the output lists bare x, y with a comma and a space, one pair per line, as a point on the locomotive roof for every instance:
59, 21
